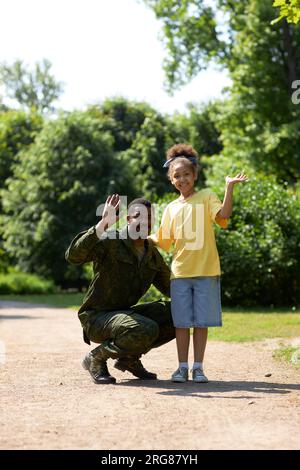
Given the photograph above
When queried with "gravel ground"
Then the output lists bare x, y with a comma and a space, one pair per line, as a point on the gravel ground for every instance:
49, 402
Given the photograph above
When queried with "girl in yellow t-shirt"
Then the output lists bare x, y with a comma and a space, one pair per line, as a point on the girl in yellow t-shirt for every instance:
187, 225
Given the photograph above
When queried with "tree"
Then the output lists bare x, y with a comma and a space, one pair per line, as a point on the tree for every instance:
122, 119
146, 156
36, 89
54, 184
289, 9
194, 38
258, 122
54, 192
141, 136
17, 131
198, 126
190, 36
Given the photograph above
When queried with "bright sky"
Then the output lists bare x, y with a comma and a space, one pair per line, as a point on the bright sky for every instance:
99, 49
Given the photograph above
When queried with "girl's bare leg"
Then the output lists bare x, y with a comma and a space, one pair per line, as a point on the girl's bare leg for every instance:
200, 340
183, 342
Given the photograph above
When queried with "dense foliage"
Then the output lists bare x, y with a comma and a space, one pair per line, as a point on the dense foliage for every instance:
55, 171
289, 9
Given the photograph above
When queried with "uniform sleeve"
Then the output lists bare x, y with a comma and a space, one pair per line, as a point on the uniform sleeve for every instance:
163, 238
85, 247
215, 206
162, 278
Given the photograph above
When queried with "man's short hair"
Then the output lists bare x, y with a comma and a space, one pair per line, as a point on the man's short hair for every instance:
140, 201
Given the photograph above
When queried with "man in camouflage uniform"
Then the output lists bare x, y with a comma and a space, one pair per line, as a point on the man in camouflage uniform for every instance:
124, 268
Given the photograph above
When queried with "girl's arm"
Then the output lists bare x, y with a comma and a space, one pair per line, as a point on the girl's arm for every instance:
226, 209
163, 237
160, 239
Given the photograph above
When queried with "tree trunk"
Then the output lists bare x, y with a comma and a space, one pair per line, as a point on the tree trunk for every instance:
291, 54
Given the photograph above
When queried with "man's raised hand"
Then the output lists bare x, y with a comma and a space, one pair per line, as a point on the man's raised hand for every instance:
110, 213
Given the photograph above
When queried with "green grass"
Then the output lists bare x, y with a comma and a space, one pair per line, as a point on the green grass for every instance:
253, 326
65, 300
239, 325
288, 354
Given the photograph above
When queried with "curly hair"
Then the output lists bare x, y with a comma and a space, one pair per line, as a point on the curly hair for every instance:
184, 150
181, 150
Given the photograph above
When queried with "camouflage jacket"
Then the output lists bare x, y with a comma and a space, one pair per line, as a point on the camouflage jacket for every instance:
120, 279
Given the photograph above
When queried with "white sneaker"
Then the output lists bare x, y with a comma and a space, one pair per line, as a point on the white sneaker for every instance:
180, 375
198, 376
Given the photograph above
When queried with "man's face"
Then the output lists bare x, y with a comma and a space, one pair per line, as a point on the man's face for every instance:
140, 221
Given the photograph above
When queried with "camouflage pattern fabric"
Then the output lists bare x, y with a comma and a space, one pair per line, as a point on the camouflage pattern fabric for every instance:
108, 314
132, 332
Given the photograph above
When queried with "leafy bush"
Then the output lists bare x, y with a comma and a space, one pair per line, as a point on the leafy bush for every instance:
17, 131
260, 250
15, 282
54, 192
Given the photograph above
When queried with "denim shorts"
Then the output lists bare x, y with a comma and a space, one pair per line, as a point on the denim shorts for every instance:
196, 301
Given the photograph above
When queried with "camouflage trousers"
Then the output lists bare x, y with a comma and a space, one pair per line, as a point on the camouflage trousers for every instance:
132, 332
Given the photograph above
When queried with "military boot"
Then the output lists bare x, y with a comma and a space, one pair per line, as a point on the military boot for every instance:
134, 366
95, 363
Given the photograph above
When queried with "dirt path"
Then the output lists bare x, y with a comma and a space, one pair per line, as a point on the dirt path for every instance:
49, 402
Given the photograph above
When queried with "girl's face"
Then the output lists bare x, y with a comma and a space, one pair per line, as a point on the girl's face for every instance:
183, 177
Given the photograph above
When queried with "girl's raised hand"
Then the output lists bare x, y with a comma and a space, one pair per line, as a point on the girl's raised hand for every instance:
240, 178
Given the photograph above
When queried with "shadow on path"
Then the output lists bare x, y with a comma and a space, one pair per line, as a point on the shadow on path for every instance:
193, 389
18, 317
6, 304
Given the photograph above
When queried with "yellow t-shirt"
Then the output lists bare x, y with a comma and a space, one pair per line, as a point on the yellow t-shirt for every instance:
188, 225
